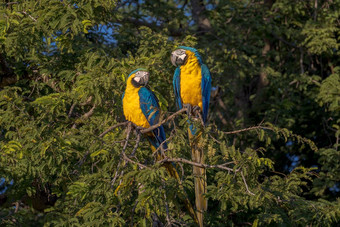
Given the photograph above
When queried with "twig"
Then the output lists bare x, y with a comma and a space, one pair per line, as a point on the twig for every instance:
215, 139
145, 130
125, 146
16, 206
137, 144
245, 183
126, 158
122, 153
197, 164
24, 12
113, 127
247, 129
127, 137
133, 212
90, 113
166, 207
11, 3
85, 116
159, 148
71, 110
116, 173
198, 112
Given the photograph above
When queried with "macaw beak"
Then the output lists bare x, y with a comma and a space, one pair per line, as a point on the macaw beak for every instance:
178, 57
141, 78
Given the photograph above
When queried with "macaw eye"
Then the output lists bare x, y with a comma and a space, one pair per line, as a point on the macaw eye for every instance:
180, 52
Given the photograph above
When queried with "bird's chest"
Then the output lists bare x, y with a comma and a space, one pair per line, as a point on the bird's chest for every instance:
132, 110
191, 80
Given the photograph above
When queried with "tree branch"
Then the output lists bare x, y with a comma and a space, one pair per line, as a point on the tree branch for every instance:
182, 160
24, 12
145, 130
247, 129
113, 127
245, 183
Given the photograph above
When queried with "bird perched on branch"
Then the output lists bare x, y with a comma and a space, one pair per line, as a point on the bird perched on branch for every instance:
141, 107
192, 85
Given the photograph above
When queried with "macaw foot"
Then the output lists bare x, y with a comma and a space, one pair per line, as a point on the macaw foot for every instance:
189, 109
192, 110
195, 109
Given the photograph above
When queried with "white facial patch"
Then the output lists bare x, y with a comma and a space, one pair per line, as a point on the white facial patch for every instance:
182, 57
137, 79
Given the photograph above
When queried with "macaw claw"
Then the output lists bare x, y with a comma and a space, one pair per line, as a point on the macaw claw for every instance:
189, 109
195, 109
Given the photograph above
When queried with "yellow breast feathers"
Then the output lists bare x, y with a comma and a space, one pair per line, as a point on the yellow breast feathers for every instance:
191, 79
131, 105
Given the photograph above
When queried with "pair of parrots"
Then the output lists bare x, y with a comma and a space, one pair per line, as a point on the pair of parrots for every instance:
192, 85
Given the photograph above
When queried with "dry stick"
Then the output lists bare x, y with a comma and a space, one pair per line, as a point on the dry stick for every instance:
200, 116
245, 183
145, 130
166, 207
197, 164
24, 12
214, 139
126, 158
85, 115
11, 3
247, 129
137, 144
159, 148
113, 127
71, 110
89, 114
122, 154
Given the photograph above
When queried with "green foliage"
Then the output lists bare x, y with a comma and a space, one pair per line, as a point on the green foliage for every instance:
63, 68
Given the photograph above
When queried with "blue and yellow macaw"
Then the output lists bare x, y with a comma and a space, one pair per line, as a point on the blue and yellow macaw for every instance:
192, 86
140, 106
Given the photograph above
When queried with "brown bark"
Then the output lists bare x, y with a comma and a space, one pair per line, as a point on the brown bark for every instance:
263, 77
7, 76
199, 15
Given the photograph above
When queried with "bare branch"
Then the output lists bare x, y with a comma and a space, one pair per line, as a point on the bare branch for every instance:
198, 164
137, 144
126, 158
24, 12
113, 127
245, 183
247, 129
159, 148
145, 130
71, 110
90, 113
127, 137
86, 115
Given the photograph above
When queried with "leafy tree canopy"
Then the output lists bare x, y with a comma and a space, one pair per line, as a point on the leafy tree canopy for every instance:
272, 141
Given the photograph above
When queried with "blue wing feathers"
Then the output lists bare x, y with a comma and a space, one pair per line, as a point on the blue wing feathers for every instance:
206, 88
177, 87
150, 108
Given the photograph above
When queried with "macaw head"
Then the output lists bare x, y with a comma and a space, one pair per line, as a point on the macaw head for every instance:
180, 56
139, 77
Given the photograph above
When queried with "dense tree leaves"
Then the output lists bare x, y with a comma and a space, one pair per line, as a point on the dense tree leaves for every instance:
63, 66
